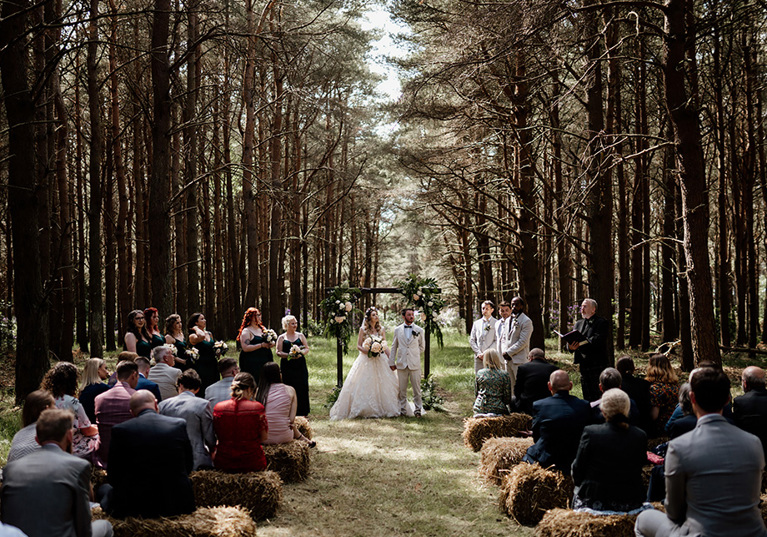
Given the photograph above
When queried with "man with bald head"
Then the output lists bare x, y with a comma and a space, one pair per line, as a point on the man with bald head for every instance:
149, 449
749, 411
558, 422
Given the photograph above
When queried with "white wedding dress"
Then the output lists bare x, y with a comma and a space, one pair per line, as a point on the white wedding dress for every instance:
370, 391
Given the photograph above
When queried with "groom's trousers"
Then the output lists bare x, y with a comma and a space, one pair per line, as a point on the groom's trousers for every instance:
414, 375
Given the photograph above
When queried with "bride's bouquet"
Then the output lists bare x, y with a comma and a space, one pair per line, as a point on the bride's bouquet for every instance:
374, 345
295, 352
270, 336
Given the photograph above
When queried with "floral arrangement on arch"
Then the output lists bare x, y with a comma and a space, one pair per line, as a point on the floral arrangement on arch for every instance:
424, 295
336, 309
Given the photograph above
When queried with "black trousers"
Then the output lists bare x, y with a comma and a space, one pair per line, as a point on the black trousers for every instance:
590, 382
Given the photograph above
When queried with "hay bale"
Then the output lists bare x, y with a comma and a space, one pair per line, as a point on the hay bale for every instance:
528, 491
499, 455
204, 522
290, 460
259, 493
567, 523
763, 507
98, 478
646, 473
477, 430
304, 427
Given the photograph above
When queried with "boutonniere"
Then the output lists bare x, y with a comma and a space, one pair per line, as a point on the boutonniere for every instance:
487, 328
416, 333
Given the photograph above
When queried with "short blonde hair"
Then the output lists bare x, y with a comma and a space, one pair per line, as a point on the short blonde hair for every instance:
614, 401
286, 320
491, 359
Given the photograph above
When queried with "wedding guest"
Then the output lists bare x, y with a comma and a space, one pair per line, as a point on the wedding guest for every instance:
174, 335
532, 381
206, 364
256, 350
664, 392
483, 334
222, 390
163, 373
241, 427
152, 317
638, 390
294, 370
280, 403
143, 381
124, 356
113, 406
61, 382
492, 386
24, 442
137, 338
94, 374
750, 409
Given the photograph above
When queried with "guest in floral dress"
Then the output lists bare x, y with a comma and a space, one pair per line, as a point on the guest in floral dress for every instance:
664, 392
493, 387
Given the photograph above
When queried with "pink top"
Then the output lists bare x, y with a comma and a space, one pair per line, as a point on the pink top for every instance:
278, 415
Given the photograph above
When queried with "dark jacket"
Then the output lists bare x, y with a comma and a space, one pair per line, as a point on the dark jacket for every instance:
558, 422
150, 458
593, 355
638, 390
749, 411
146, 384
607, 470
532, 384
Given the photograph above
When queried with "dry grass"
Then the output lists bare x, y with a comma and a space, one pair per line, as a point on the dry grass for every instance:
567, 523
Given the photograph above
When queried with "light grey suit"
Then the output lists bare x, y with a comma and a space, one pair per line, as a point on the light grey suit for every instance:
515, 344
481, 339
406, 356
199, 424
713, 479
46, 493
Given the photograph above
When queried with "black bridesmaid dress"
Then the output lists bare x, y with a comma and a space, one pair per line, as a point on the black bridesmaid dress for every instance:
252, 361
206, 364
296, 374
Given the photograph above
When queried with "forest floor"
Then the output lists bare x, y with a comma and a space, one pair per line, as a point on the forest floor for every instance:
386, 477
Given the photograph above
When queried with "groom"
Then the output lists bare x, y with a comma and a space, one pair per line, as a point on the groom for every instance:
405, 357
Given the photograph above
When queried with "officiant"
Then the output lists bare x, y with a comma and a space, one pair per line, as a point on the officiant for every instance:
591, 351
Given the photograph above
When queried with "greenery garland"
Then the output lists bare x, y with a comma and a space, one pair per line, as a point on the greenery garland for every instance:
336, 309
424, 295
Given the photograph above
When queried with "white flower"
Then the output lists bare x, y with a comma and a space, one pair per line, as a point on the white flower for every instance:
423, 316
434, 315
376, 347
430, 303
367, 344
348, 306
338, 301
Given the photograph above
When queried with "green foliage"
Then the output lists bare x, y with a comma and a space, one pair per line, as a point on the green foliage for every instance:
336, 308
332, 397
424, 295
431, 399
7, 328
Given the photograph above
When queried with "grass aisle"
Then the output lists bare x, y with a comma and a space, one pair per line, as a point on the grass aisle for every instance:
391, 477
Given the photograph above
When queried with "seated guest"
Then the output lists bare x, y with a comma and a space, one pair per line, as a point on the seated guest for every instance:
163, 373
24, 442
608, 379
492, 386
558, 422
61, 382
241, 428
47, 492
687, 422
664, 392
92, 384
713, 473
143, 382
222, 390
197, 414
678, 413
638, 390
157, 448
113, 406
607, 470
280, 403
750, 409
124, 356
532, 381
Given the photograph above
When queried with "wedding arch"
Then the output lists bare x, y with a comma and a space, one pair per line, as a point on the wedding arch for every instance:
340, 303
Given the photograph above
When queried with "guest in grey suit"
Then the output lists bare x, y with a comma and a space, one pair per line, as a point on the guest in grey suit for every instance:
713, 473
47, 492
197, 414
222, 390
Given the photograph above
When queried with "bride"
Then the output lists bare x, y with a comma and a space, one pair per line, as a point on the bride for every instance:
371, 388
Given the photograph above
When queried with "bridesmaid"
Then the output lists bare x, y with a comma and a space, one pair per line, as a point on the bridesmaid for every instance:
256, 351
137, 339
206, 364
152, 317
294, 371
174, 335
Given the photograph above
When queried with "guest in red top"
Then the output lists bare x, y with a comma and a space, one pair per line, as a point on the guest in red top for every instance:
241, 428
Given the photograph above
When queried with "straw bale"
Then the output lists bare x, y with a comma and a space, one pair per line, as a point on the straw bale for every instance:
204, 522
646, 473
259, 493
529, 490
567, 523
763, 507
499, 455
304, 427
98, 478
477, 430
290, 460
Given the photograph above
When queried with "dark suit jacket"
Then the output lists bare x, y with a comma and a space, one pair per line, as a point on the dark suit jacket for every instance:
607, 470
638, 390
749, 411
149, 463
597, 417
46, 493
145, 384
558, 422
532, 384
594, 354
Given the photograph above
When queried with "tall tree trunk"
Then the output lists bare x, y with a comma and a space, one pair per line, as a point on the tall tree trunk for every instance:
190, 166
82, 312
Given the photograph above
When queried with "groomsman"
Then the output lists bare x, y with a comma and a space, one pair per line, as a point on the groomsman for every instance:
515, 343
483, 335
504, 308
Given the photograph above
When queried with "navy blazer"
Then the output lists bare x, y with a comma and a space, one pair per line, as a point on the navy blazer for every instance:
150, 458
749, 412
146, 384
532, 384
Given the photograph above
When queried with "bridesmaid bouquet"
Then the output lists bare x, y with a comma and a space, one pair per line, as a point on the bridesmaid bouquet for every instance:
220, 347
270, 336
295, 352
192, 354
374, 345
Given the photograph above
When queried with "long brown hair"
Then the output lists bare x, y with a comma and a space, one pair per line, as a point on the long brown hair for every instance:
247, 320
659, 370
366, 321
170, 321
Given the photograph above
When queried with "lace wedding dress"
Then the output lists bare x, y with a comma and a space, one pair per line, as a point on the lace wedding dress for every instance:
370, 391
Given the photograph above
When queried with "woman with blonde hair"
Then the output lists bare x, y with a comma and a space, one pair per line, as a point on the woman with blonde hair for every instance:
95, 373
664, 391
241, 427
492, 386
292, 348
